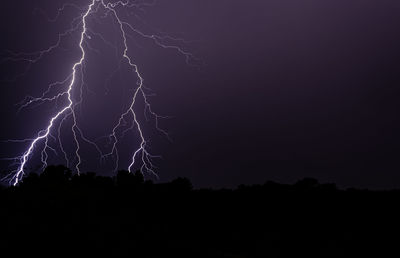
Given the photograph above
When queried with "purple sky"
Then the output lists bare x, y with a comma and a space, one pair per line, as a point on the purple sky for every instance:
289, 88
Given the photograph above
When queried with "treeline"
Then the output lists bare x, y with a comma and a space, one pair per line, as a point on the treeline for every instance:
60, 214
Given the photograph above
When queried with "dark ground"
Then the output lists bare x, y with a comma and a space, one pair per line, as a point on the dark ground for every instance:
57, 214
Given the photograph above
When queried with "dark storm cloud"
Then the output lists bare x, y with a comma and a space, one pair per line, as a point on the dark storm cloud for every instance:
289, 88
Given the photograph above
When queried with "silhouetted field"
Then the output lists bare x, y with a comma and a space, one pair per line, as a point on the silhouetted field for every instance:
59, 214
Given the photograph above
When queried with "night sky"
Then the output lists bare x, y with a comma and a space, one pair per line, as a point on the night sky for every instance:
288, 89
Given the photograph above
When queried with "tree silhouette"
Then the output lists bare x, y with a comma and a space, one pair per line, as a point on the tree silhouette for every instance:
181, 185
57, 213
57, 174
127, 179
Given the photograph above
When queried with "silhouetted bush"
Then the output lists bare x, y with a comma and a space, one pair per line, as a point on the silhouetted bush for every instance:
56, 175
127, 179
307, 183
60, 214
181, 185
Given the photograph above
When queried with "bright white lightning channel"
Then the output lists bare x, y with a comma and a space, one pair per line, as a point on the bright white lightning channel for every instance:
140, 155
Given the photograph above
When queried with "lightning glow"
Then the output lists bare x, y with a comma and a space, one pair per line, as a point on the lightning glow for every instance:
141, 157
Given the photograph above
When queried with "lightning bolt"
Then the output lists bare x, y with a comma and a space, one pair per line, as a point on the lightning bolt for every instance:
141, 157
